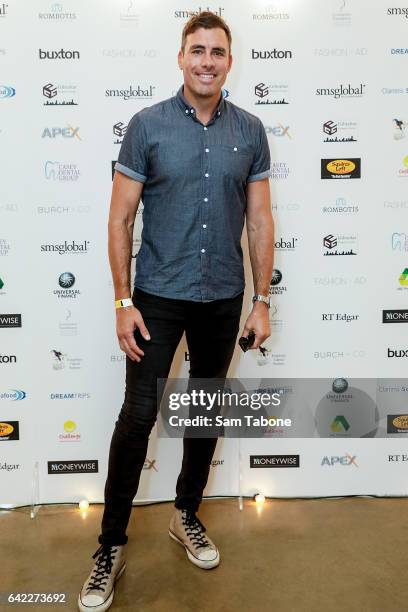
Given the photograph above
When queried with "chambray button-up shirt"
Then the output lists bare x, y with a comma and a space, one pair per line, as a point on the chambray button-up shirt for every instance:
194, 195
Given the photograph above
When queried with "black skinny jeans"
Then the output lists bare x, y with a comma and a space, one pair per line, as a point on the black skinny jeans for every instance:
211, 332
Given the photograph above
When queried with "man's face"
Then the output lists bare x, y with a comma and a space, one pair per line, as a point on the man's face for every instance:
206, 62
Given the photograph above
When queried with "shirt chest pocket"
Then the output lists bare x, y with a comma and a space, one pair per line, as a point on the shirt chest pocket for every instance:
172, 161
234, 161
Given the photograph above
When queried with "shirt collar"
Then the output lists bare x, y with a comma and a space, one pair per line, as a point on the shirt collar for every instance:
190, 110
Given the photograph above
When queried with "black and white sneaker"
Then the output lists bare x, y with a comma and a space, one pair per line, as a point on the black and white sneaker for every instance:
98, 590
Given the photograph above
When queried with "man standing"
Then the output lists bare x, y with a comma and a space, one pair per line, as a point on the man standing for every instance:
201, 165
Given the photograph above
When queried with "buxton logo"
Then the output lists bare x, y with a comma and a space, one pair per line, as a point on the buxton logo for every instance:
397, 423
66, 247
395, 316
84, 466
274, 461
397, 353
272, 54
8, 359
343, 91
6, 91
341, 168
9, 430
10, 320
60, 55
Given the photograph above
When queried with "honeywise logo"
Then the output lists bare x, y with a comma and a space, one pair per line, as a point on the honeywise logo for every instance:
84, 466
58, 171
10, 320
186, 14
143, 93
342, 91
6, 91
9, 430
272, 54
341, 168
397, 423
66, 247
274, 461
398, 12
13, 395
62, 54
63, 132
395, 316
344, 460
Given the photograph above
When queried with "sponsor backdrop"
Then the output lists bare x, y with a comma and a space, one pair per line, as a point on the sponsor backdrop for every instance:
332, 95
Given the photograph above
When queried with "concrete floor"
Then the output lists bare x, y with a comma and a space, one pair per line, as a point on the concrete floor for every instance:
288, 556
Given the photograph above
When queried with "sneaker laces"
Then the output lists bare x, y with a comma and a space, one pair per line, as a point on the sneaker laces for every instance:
194, 528
103, 567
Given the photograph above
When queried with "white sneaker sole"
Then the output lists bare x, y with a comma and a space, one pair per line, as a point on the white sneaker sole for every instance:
193, 559
105, 605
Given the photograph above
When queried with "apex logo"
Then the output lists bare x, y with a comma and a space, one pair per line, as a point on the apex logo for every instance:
346, 459
149, 464
68, 132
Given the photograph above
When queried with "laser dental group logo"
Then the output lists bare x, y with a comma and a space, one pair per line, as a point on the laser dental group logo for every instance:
59, 171
341, 244
342, 91
59, 95
138, 92
6, 91
271, 94
72, 248
4, 247
341, 168
279, 170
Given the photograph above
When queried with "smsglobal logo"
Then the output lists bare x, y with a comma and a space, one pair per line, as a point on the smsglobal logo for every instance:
399, 12
186, 14
66, 247
132, 93
342, 91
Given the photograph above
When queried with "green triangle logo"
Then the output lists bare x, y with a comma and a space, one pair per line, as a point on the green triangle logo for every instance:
340, 424
403, 279
1, 284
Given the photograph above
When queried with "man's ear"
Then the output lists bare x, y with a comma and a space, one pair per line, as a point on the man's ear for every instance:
180, 57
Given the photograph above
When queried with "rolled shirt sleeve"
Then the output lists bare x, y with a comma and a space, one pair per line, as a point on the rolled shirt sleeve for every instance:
132, 160
261, 167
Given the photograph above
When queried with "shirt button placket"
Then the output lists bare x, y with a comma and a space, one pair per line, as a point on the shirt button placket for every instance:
205, 213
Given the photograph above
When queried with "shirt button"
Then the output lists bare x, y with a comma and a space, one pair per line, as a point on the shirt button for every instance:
235, 149
205, 128
186, 110
207, 150
203, 250
206, 175
219, 112
192, 110
205, 199
204, 225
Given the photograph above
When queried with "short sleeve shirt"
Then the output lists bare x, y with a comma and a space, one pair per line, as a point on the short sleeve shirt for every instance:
194, 195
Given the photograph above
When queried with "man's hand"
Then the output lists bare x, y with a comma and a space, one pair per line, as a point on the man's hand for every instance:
127, 321
258, 321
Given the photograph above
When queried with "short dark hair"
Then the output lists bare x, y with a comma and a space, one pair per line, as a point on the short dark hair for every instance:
208, 21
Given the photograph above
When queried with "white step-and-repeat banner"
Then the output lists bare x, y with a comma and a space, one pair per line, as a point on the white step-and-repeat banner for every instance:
328, 79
